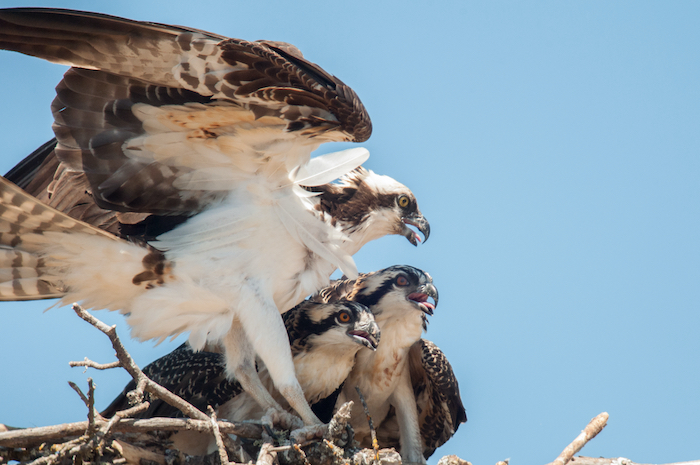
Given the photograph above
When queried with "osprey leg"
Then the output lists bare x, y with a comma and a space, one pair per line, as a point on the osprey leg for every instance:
240, 365
266, 333
404, 401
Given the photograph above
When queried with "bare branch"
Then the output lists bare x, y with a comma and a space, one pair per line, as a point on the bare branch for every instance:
29, 436
223, 456
98, 366
594, 427
373, 433
91, 406
619, 461
80, 393
135, 372
134, 454
266, 455
454, 460
130, 412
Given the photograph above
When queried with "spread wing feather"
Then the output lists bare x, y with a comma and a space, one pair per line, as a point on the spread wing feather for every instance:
151, 112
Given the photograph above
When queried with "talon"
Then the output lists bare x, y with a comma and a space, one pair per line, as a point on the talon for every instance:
308, 433
281, 419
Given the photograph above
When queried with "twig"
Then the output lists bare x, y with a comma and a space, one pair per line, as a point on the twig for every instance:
130, 412
594, 427
266, 455
29, 436
80, 393
135, 372
373, 433
67, 448
91, 406
135, 454
580, 460
223, 456
98, 366
300, 451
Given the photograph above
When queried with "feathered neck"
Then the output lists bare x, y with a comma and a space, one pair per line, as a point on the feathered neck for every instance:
356, 206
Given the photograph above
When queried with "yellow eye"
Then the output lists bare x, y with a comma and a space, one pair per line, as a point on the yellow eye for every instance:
344, 317
402, 281
403, 201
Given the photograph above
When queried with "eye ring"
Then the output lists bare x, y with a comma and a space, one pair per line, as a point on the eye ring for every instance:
403, 201
402, 281
344, 316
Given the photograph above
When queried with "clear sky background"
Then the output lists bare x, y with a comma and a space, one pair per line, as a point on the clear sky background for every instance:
555, 149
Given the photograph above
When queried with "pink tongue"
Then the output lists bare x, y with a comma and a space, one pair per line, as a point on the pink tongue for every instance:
417, 237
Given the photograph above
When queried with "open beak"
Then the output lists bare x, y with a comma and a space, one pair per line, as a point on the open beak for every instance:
366, 333
419, 221
421, 296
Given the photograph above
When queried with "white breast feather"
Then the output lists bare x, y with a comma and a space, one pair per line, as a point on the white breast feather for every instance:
379, 373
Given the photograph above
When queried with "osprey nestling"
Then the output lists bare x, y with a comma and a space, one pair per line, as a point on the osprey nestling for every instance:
324, 339
438, 402
410, 389
207, 140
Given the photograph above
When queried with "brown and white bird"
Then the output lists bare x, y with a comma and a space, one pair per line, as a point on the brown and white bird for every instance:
201, 144
410, 388
438, 402
324, 339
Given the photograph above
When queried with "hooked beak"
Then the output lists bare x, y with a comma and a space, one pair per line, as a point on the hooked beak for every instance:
421, 298
366, 333
419, 221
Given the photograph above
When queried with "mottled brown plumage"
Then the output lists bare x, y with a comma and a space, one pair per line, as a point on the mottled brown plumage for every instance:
440, 408
200, 377
198, 145
411, 390
169, 65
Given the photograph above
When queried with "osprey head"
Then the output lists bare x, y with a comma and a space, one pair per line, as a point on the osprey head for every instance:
370, 205
332, 324
359, 324
394, 291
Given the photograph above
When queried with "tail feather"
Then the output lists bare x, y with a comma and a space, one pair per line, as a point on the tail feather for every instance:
27, 227
29, 289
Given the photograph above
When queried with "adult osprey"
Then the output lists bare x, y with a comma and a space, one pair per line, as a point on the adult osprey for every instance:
205, 140
324, 339
410, 388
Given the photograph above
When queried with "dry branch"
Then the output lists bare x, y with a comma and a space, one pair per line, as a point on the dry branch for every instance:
88, 442
129, 365
30, 436
594, 427
372, 431
97, 366
619, 461
223, 456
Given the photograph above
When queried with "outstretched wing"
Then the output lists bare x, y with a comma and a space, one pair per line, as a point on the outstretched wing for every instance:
43, 176
166, 119
440, 408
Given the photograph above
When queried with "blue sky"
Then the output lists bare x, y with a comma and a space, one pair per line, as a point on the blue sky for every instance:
555, 149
